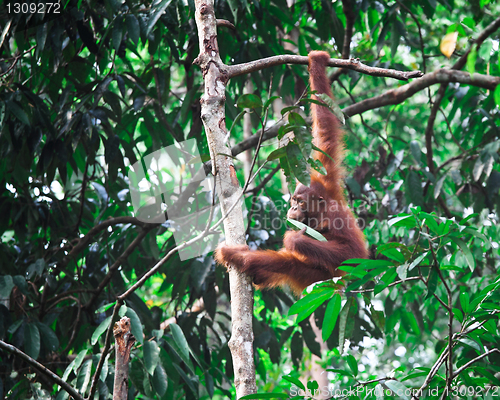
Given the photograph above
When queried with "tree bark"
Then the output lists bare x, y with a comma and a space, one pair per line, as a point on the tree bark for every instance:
124, 340
215, 75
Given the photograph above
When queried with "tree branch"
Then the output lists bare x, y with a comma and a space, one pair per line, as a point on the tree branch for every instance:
391, 97
264, 182
350, 17
84, 241
474, 360
353, 64
400, 94
44, 370
429, 130
119, 261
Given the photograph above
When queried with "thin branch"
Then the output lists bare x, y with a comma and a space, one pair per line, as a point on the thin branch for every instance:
119, 261
491, 28
391, 97
76, 324
68, 293
400, 94
155, 268
384, 139
413, 278
432, 372
474, 360
419, 28
82, 196
16, 59
429, 130
107, 345
350, 17
225, 23
84, 241
264, 182
352, 64
44, 370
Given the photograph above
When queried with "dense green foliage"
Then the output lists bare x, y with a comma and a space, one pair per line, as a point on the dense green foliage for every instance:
91, 90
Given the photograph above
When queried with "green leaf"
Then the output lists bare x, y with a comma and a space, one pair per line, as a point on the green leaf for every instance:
353, 364
402, 271
75, 364
306, 305
439, 185
117, 33
343, 322
471, 60
180, 339
295, 381
469, 22
378, 317
297, 348
394, 254
296, 119
135, 325
331, 314
432, 282
287, 109
414, 188
41, 37
32, 340
309, 231
180, 353
367, 264
465, 249
417, 261
485, 50
133, 28
339, 371
151, 355
6, 286
103, 326
236, 120
156, 13
398, 388
249, 100
49, 338
105, 307
160, 381
497, 95
83, 377
298, 164
233, 6
333, 106
278, 153
477, 234
412, 321
408, 221
15, 109
464, 301
304, 139
386, 280
270, 100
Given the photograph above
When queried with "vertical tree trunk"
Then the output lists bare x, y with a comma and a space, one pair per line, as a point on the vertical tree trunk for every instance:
229, 191
124, 340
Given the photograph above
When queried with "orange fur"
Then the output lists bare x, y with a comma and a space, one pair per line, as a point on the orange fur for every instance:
322, 206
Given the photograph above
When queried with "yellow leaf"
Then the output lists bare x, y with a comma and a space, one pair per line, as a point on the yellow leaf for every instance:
448, 44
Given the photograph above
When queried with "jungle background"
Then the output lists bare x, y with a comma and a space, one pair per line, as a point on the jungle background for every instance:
90, 90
